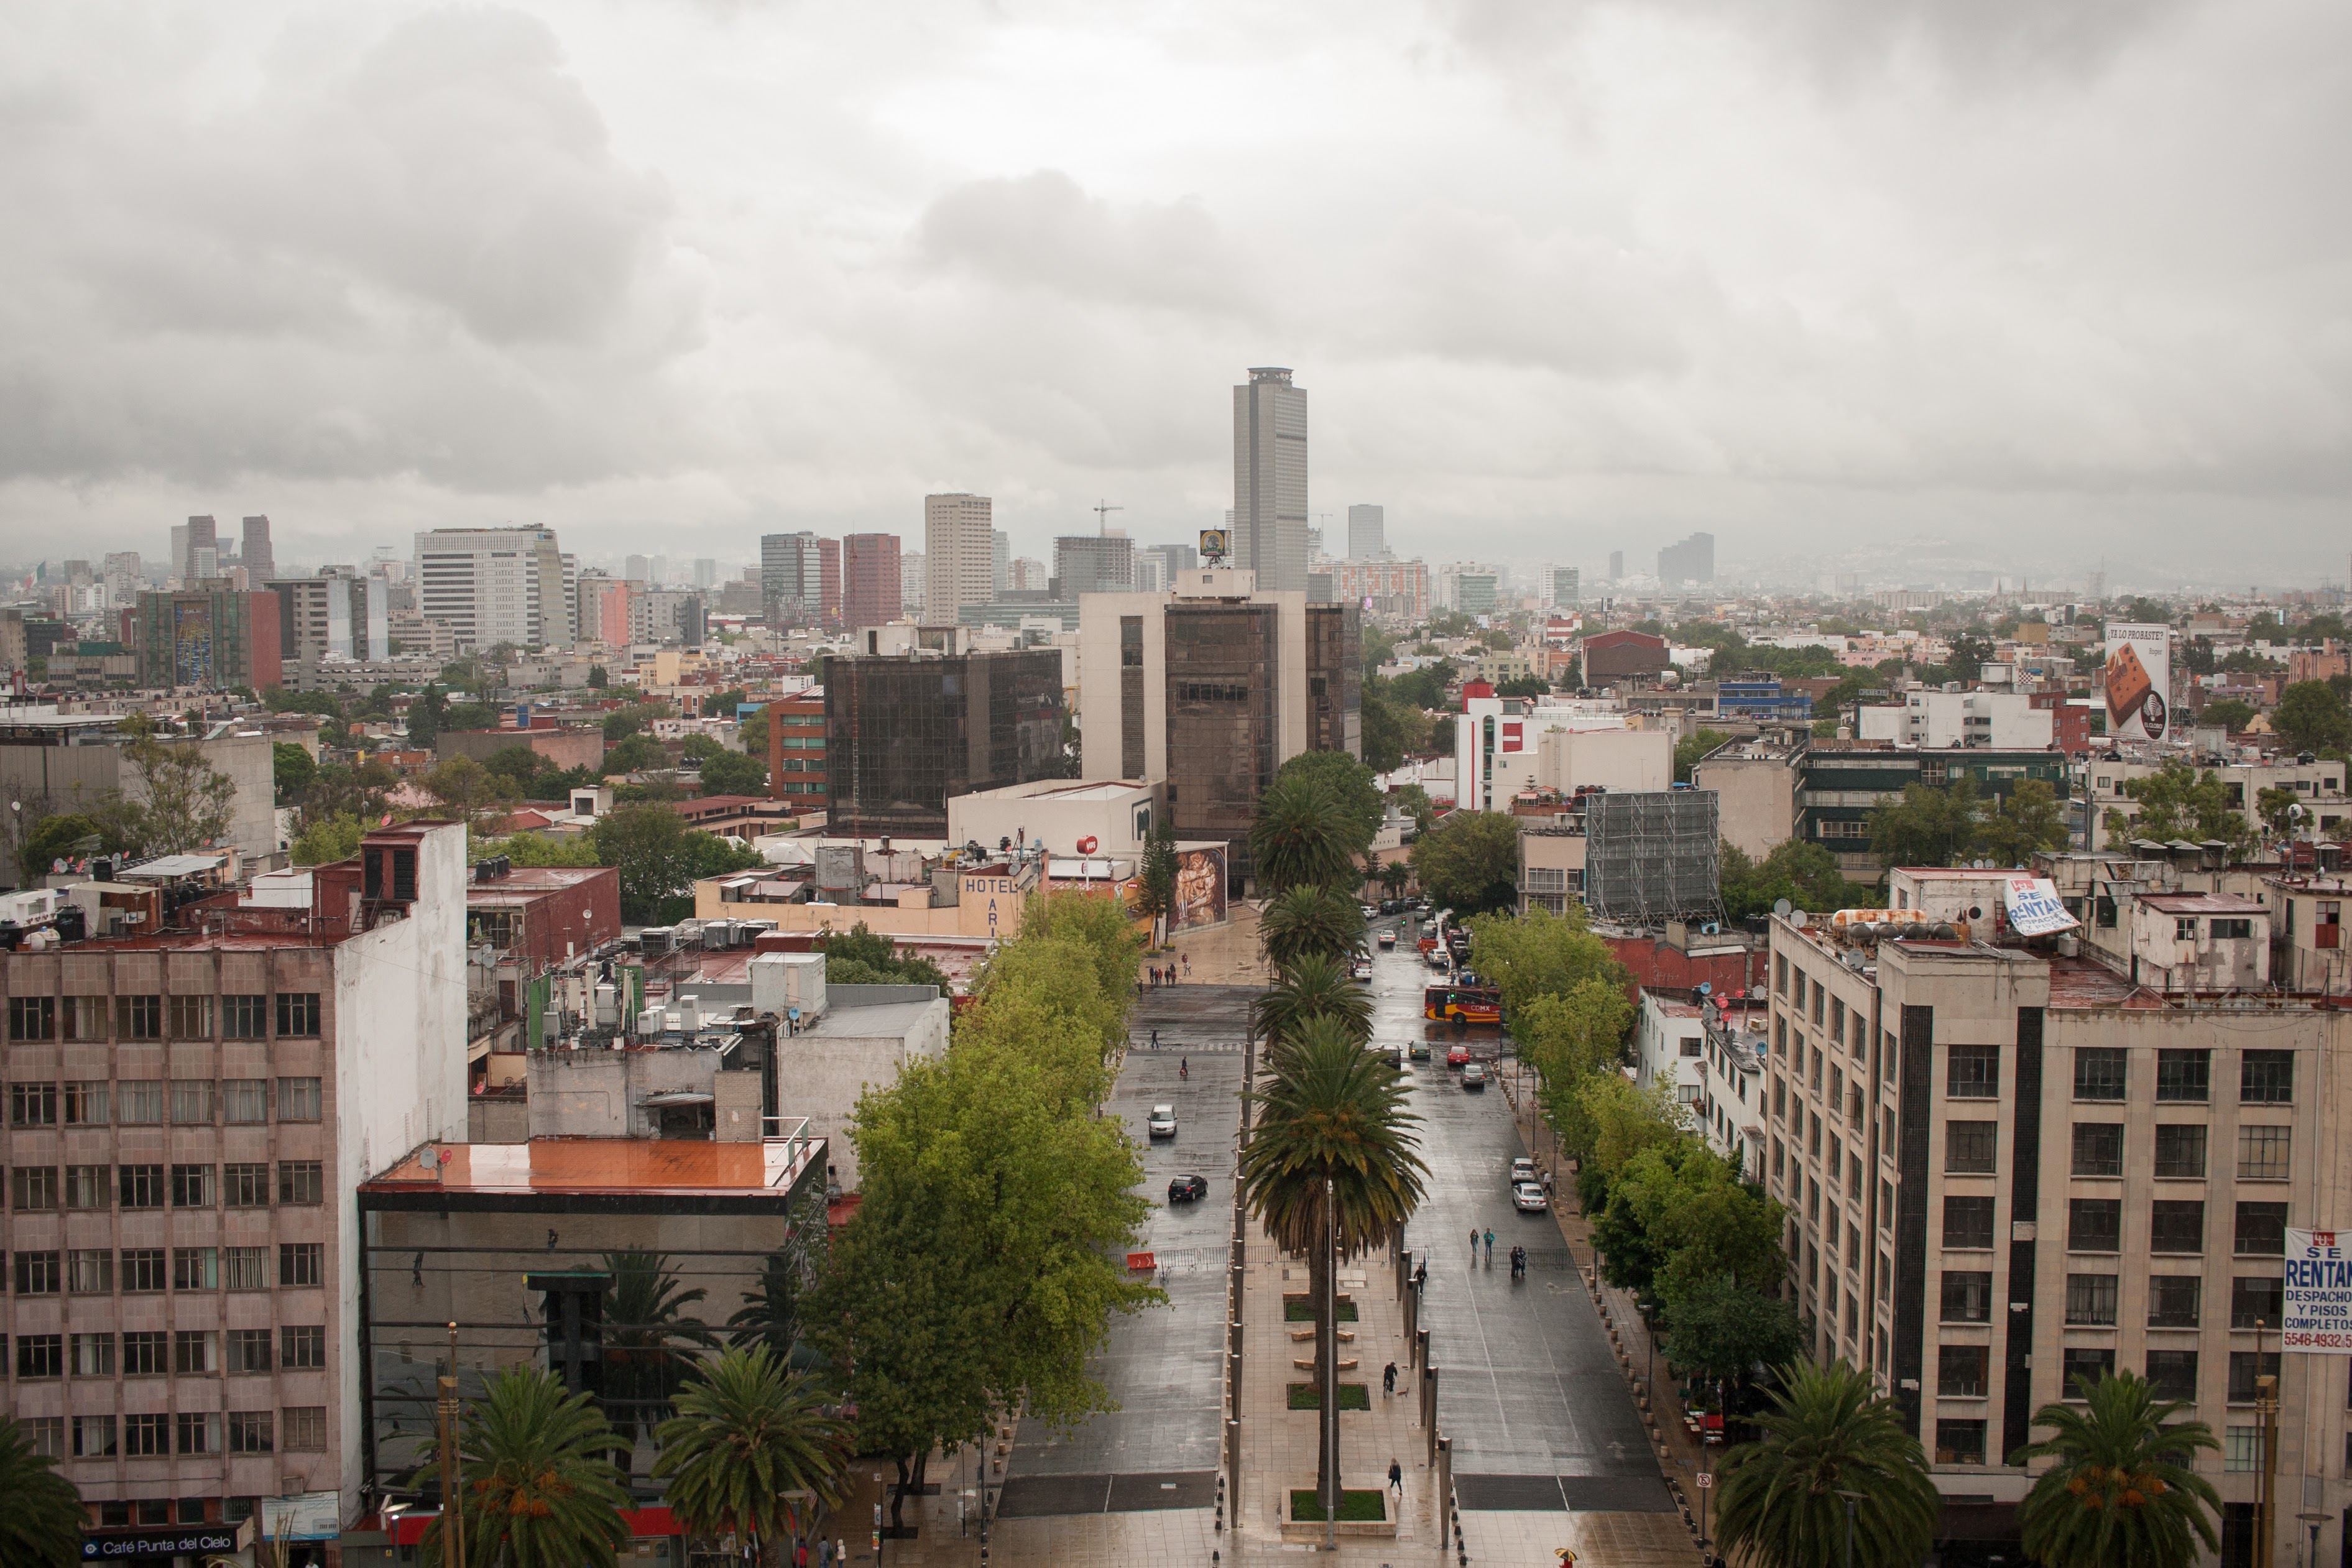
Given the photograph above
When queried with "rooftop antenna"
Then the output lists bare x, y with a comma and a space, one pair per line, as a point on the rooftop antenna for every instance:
1102, 510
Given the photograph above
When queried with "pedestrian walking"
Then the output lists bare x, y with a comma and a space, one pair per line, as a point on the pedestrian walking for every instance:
1490, 1246
1388, 1381
1396, 1478
1474, 1246
1546, 1181
823, 1553
800, 1555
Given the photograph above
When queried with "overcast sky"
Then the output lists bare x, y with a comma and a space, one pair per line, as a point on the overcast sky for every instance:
2037, 282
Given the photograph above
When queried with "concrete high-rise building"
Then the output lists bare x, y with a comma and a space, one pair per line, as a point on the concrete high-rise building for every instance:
1269, 521
1692, 561
958, 555
872, 591
828, 573
339, 614
705, 572
209, 637
491, 586
1092, 563
792, 578
201, 534
1397, 590
906, 734
1566, 588
255, 555
1616, 567
1000, 559
179, 549
638, 568
912, 578
1368, 532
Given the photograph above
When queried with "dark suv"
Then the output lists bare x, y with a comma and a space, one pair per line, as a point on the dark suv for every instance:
1187, 1189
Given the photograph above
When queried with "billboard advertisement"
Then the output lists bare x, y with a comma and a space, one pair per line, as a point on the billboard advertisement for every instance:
192, 644
1200, 898
2139, 681
2318, 1315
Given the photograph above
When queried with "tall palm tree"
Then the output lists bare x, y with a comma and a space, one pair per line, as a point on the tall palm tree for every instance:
749, 1438
1394, 875
536, 1489
771, 1314
1313, 987
1330, 1158
646, 1332
2122, 1489
1830, 1433
1301, 836
41, 1514
1308, 918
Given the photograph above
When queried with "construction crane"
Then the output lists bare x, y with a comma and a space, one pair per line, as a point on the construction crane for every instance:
1102, 510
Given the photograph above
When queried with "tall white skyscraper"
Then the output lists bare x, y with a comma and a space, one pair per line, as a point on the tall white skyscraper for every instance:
1368, 532
491, 586
1269, 521
999, 560
958, 555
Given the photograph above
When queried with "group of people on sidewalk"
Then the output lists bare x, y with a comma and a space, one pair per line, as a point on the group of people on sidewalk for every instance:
1156, 975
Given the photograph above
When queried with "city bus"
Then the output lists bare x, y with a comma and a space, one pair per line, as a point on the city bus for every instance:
1469, 1003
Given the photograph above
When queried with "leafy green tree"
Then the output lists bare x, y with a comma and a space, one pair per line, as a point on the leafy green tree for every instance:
291, 768
649, 1341
1394, 875
1303, 834
1540, 954
1313, 986
64, 837
41, 1513
539, 849
1392, 728
1679, 1214
518, 765
634, 754
1928, 826
362, 791
327, 840
2311, 717
1718, 1329
1609, 1124
1155, 882
1331, 1165
2124, 1486
733, 773
2227, 713
536, 1489
470, 791
2276, 807
659, 856
1418, 692
1827, 1434
1805, 874
1470, 862
722, 704
1355, 787
174, 800
427, 712
2179, 802
862, 956
1691, 747
1310, 919
2018, 824
751, 1435
1100, 927
1568, 1038
599, 678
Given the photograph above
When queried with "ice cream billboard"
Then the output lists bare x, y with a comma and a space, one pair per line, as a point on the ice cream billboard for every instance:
2139, 681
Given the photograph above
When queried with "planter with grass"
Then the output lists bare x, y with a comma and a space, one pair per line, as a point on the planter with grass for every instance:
1298, 1309
1353, 1397
1363, 1511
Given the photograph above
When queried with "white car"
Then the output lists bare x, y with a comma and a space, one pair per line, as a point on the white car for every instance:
1361, 969
1370, 912
1161, 1123
1529, 1198
1523, 1169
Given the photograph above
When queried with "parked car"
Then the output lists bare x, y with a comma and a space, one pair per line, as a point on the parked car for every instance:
1391, 906
1370, 912
1439, 958
1161, 1123
1360, 969
1458, 1057
1528, 1197
1523, 1169
1419, 1050
1187, 1189
1386, 941
1474, 1075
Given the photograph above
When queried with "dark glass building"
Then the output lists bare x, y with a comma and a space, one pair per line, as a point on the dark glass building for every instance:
904, 734
1224, 735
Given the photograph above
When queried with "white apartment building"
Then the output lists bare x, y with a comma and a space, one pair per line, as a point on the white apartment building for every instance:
1670, 1048
2006, 1163
490, 585
1502, 745
2002, 721
958, 563
2317, 785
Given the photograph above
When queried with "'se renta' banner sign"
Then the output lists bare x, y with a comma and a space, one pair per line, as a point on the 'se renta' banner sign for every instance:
2318, 1315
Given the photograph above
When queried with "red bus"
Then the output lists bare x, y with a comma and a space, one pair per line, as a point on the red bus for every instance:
1470, 1003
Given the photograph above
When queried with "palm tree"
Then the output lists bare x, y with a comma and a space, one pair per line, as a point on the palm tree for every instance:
1313, 987
771, 1314
1394, 875
1301, 836
2122, 1489
536, 1489
1330, 1167
644, 1327
1308, 918
41, 1513
749, 1440
1829, 1434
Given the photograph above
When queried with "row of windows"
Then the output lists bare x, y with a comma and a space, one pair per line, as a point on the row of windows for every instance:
2095, 1225
184, 1352
1964, 1371
2263, 1154
248, 1185
237, 1017
148, 1270
150, 1102
2183, 1077
295, 1429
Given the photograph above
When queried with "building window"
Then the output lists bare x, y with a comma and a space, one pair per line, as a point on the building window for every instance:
40, 1273
302, 1349
88, 1187
2091, 1300
2176, 1226
139, 1102
89, 1104
2094, 1225
195, 1268
1967, 1223
146, 1353
249, 1350
195, 1351
1961, 1371
146, 1436
297, 1099
2179, 1152
300, 1181
251, 1432
33, 1187
2244, 1368
2174, 1374
1966, 1296
2184, 1076
244, 1102
40, 1356
2263, 1154
32, 1017
2258, 1301
304, 1430
2266, 1078
244, 1018
297, 1014
89, 1271
2098, 1148
301, 1263
1968, 1147
2174, 1300
190, 1018
2241, 1450
2087, 1362
144, 1270
192, 1102
32, 1105
2260, 1230
141, 1187
84, 1018
244, 1267
94, 1437
245, 1185
2099, 1073
139, 1017
191, 1187
1959, 1442
1973, 1072
198, 1432
1780, 974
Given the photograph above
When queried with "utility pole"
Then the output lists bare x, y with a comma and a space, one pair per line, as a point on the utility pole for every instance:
453, 1510
1102, 510
2266, 1406
1331, 1349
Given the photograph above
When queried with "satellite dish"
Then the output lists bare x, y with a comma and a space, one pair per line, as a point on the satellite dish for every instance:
1781, 906
429, 1158
1707, 988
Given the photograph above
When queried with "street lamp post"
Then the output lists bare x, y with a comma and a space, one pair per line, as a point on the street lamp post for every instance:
1850, 1499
